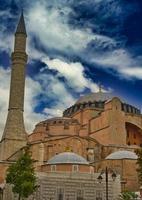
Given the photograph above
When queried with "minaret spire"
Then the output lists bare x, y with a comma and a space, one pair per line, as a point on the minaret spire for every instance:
21, 28
14, 135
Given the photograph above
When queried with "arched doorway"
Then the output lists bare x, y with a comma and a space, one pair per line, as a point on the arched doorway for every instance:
133, 134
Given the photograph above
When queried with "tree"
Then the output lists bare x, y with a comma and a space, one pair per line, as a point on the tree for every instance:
128, 196
139, 163
21, 176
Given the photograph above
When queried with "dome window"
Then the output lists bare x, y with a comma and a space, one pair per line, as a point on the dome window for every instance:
75, 168
53, 168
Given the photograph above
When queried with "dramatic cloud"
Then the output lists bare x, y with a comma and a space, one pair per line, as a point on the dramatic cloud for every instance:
73, 73
122, 62
4, 91
48, 86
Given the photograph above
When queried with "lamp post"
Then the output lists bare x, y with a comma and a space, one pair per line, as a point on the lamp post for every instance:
100, 178
1, 193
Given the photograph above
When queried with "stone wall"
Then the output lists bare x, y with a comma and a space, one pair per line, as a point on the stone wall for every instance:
70, 184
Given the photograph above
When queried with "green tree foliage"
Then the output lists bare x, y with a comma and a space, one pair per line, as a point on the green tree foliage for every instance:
128, 196
139, 163
21, 176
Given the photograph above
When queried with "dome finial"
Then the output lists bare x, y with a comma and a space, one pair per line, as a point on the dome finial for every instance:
100, 87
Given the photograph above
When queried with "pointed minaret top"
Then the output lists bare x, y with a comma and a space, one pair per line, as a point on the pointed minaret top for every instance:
21, 25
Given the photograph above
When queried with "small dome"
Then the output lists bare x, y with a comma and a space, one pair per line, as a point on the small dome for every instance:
118, 155
98, 96
67, 158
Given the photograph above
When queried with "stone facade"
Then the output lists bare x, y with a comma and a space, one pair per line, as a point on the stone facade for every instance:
75, 185
71, 186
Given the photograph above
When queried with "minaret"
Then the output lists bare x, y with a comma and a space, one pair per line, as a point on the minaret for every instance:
14, 135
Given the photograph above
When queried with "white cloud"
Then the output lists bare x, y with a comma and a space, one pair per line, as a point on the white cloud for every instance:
122, 62
6, 38
4, 96
54, 89
117, 58
135, 72
32, 90
53, 31
73, 73
44, 84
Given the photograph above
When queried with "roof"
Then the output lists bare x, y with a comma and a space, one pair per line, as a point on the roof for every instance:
21, 25
67, 158
98, 96
118, 155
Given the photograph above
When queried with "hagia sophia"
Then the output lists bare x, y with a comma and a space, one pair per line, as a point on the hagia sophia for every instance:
98, 132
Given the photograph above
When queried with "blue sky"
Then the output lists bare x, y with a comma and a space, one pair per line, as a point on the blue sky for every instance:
73, 46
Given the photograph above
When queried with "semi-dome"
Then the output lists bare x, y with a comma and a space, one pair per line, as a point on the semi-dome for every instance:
98, 96
67, 158
118, 155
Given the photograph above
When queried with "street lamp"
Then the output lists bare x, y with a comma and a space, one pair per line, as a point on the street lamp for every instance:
100, 178
1, 193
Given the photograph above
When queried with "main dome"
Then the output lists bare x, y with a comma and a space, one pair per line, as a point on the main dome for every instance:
98, 96
67, 158
118, 155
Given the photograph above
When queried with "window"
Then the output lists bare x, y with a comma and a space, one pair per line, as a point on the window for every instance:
66, 125
75, 168
47, 127
53, 168
99, 195
79, 195
60, 194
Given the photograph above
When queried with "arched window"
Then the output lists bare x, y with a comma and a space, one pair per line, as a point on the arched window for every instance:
75, 168
53, 168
